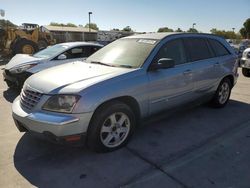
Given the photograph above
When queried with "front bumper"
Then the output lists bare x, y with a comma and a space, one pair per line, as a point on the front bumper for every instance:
245, 63
15, 80
60, 127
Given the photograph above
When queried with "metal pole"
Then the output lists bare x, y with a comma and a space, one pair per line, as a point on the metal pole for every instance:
89, 20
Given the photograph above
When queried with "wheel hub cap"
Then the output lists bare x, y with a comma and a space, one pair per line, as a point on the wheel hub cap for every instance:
224, 93
28, 49
115, 129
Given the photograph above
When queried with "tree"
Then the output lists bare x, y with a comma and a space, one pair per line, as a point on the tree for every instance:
55, 24
62, 24
223, 33
71, 25
245, 31
115, 29
192, 30
165, 29
178, 30
127, 28
92, 26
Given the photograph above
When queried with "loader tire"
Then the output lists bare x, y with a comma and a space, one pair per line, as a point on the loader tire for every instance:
42, 44
25, 47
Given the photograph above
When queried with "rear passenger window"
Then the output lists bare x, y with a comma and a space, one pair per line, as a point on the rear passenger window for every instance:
92, 49
218, 48
173, 50
198, 49
77, 52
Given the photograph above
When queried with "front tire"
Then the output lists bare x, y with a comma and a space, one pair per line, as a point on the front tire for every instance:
222, 94
246, 72
24, 46
111, 127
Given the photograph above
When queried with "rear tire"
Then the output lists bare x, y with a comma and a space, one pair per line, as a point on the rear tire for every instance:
24, 46
222, 94
246, 72
111, 127
42, 44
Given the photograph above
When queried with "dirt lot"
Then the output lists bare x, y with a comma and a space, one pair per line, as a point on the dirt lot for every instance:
199, 147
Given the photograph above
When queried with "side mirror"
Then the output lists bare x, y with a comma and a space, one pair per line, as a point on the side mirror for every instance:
62, 57
163, 63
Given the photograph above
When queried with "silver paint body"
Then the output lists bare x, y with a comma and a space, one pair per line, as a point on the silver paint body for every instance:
153, 90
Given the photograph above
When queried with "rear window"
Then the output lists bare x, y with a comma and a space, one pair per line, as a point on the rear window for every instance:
218, 48
197, 48
92, 49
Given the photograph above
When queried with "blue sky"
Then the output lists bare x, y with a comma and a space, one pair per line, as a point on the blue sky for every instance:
141, 15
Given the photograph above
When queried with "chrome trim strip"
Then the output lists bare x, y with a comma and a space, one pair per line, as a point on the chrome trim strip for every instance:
166, 99
52, 119
159, 100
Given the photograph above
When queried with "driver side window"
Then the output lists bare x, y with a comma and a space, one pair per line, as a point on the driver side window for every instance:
173, 50
77, 52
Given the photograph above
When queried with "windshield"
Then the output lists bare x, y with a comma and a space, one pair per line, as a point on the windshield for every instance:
50, 51
130, 53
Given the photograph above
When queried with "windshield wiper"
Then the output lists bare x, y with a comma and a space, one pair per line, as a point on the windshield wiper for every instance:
100, 63
106, 64
125, 66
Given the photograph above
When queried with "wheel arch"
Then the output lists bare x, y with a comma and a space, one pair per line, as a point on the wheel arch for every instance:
128, 100
230, 77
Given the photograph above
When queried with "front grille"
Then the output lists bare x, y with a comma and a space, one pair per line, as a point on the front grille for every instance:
30, 98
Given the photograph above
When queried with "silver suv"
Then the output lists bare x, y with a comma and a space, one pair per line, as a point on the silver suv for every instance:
101, 101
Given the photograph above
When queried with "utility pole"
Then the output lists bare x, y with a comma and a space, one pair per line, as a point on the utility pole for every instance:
2, 12
89, 21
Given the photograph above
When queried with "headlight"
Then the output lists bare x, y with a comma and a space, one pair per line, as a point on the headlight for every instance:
20, 69
61, 103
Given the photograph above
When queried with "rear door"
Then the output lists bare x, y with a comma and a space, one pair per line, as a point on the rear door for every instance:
204, 64
173, 86
224, 58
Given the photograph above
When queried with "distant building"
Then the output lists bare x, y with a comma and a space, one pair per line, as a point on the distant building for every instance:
70, 34
106, 37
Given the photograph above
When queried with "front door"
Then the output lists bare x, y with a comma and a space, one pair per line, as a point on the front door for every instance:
173, 86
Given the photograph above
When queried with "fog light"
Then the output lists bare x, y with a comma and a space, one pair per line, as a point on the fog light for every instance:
72, 138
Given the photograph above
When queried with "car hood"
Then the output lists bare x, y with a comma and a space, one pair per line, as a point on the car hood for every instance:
72, 77
20, 59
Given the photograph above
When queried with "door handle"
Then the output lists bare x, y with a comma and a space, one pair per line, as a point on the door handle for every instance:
187, 72
216, 64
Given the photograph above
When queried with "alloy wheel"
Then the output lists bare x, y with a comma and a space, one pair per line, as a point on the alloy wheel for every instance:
115, 129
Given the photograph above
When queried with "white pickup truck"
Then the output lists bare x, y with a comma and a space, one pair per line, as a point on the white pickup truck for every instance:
245, 62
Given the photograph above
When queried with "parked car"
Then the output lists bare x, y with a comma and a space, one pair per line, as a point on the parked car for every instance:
245, 43
21, 66
245, 62
101, 101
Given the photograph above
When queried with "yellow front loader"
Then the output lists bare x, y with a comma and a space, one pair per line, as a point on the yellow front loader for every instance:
26, 40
